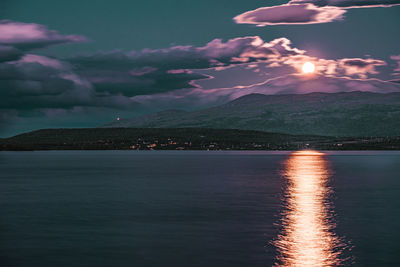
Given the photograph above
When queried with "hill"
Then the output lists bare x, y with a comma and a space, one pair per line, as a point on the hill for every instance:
359, 114
131, 138
184, 139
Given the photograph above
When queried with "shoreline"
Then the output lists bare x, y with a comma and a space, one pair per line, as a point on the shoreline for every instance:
202, 150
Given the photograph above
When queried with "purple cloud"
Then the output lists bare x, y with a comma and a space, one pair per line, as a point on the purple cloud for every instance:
118, 80
282, 75
350, 67
42, 60
290, 14
32, 35
17, 38
307, 11
360, 67
215, 53
347, 4
153, 71
142, 71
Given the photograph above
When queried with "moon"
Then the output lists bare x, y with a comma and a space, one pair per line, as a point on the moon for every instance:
308, 67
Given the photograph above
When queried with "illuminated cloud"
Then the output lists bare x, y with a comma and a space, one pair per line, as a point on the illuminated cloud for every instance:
307, 11
352, 67
282, 75
176, 74
153, 71
42, 60
32, 35
215, 53
350, 3
360, 67
290, 14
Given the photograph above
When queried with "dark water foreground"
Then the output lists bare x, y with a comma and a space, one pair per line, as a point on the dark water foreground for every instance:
162, 208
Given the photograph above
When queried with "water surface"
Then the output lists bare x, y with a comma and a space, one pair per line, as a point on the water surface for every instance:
167, 208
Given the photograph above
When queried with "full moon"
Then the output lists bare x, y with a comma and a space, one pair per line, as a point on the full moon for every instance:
308, 67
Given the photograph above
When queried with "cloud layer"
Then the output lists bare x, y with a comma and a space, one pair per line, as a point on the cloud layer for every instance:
31, 85
149, 72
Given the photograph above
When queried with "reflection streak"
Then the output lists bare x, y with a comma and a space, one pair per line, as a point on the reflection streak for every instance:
307, 237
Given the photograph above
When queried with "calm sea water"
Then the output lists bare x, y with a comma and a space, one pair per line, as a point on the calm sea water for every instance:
138, 208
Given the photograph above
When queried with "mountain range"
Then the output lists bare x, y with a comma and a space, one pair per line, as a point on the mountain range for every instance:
329, 114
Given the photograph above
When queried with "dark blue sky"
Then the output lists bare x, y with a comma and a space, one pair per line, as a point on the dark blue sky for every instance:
82, 63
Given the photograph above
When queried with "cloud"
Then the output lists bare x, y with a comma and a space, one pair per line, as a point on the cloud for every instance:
32, 35
9, 53
161, 70
351, 67
163, 78
118, 80
307, 11
142, 71
290, 14
17, 38
360, 67
35, 83
282, 75
278, 66
42, 60
347, 4
215, 53
396, 58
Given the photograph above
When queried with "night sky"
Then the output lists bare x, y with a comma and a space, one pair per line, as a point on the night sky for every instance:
84, 63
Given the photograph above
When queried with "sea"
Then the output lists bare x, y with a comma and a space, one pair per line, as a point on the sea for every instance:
199, 208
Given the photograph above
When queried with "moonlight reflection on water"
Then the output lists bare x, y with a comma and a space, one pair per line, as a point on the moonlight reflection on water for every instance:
307, 237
